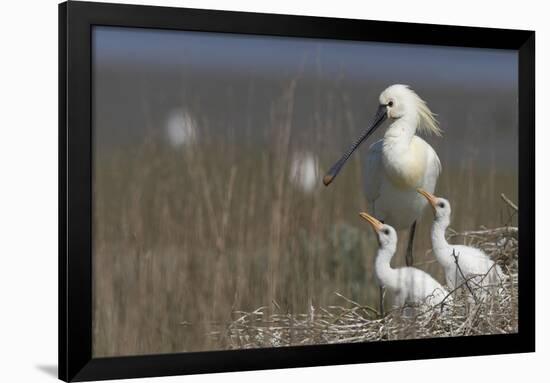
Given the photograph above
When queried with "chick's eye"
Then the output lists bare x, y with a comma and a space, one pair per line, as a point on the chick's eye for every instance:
390, 104
441, 204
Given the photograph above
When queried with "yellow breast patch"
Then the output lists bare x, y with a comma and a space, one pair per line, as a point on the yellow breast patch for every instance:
406, 171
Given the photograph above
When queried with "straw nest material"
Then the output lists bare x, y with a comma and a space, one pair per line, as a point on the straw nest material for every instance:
491, 311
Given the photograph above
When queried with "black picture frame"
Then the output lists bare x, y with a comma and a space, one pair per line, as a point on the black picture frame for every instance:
75, 190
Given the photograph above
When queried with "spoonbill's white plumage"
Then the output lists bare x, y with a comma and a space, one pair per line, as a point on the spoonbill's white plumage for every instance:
409, 285
473, 263
399, 163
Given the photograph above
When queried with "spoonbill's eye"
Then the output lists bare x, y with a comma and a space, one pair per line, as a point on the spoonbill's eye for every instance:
390, 104
386, 231
441, 205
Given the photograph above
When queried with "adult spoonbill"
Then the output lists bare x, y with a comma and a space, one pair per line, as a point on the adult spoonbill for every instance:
473, 263
410, 285
399, 163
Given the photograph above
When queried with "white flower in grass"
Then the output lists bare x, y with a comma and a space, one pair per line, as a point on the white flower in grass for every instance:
181, 128
304, 171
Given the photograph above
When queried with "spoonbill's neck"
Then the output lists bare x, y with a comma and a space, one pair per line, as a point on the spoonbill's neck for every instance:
384, 272
441, 248
400, 132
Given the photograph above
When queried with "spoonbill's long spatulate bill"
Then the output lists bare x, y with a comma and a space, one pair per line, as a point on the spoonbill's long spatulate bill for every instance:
380, 116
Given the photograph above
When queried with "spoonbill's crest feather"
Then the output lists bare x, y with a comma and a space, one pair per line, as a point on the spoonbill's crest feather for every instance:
403, 94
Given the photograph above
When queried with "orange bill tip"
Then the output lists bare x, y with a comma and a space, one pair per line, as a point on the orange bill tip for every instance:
376, 224
327, 179
430, 197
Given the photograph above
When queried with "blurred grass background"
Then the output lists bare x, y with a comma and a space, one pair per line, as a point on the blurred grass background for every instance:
199, 209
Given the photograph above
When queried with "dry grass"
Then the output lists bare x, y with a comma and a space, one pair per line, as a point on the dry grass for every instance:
193, 234
495, 313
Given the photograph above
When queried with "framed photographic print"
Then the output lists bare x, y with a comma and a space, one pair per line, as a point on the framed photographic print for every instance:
246, 191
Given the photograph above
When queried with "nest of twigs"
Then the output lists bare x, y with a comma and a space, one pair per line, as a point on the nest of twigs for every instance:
490, 311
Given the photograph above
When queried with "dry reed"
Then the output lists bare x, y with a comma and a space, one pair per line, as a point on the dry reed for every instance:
192, 234
494, 313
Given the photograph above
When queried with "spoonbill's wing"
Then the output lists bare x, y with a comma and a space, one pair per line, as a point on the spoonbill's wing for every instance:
373, 173
433, 168
474, 261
